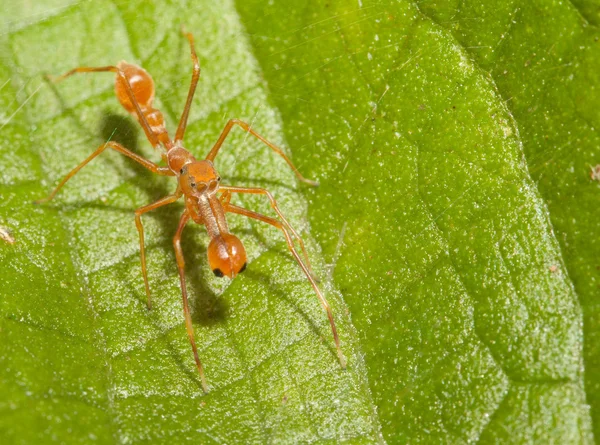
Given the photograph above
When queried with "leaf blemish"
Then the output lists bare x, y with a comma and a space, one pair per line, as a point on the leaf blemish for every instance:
6, 236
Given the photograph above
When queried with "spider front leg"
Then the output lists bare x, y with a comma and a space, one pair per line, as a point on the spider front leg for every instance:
246, 127
284, 227
117, 147
185, 217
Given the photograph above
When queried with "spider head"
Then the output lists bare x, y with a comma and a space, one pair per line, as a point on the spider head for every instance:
198, 177
226, 255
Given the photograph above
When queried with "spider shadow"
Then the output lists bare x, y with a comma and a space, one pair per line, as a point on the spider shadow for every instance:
122, 129
206, 307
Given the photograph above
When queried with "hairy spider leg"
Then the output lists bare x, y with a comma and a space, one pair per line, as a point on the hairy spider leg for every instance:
226, 198
254, 215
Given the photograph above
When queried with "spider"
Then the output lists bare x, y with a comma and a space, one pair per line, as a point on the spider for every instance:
207, 201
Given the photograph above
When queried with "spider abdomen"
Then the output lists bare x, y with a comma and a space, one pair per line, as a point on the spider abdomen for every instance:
226, 255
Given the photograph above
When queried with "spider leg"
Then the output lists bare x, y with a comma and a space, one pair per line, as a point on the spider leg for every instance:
115, 146
213, 152
254, 215
188, 103
259, 191
113, 69
138, 223
185, 217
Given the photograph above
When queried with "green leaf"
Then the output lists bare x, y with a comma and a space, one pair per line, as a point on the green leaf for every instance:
455, 228
81, 358
453, 141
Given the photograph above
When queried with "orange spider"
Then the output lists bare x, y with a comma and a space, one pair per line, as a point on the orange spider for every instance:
206, 201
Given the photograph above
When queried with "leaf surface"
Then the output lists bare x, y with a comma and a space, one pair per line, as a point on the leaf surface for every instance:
454, 228
453, 140
82, 359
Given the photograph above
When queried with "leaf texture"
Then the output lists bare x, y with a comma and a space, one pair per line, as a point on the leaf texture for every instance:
443, 242
82, 358
454, 230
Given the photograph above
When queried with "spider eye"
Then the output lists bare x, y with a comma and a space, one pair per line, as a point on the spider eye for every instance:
193, 184
181, 171
218, 178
